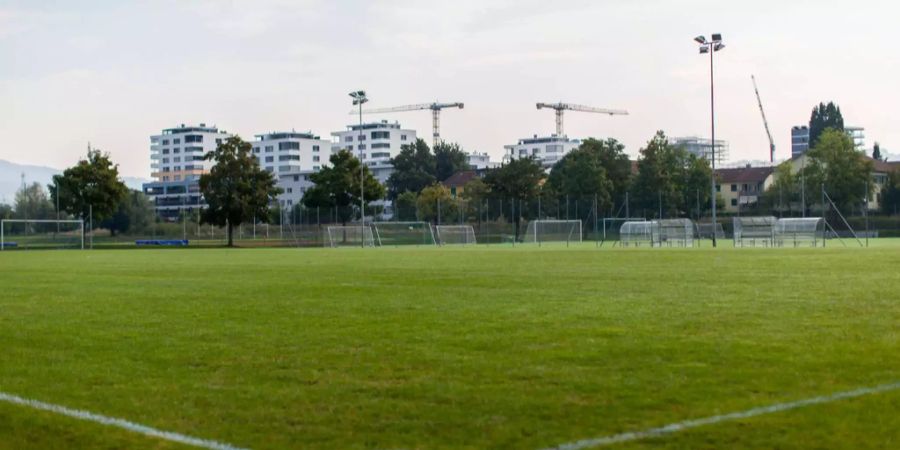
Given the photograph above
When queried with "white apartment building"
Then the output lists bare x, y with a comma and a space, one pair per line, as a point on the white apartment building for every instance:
480, 161
378, 142
546, 150
176, 163
702, 147
291, 157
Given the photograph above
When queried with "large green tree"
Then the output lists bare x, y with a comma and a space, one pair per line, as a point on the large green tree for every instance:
414, 169
436, 204
6, 211
90, 188
518, 180
823, 117
236, 189
134, 214
670, 179
31, 202
784, 192
338, 184
835, 163
596, 168
449, 159
890, 194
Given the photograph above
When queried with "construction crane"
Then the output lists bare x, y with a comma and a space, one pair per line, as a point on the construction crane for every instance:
560, 107
435, 114
765, 121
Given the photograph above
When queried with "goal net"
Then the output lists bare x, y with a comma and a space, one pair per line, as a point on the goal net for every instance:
404, 233
455, 234
754, 231
807, 231
539, 231
41, 234
350, 236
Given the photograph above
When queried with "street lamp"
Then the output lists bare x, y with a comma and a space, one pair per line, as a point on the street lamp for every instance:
359, 97
712, 46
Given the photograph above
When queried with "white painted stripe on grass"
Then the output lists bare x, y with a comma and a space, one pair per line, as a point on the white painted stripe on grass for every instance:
693, 423
119, 423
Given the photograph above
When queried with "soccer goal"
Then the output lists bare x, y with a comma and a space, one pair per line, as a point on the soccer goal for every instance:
673, 233
455, 234
404, 233
636, 233
797, 232
754, 231
350, 236
546, 230
707, 230
41, 234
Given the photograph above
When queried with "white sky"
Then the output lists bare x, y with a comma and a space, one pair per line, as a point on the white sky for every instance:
115, 72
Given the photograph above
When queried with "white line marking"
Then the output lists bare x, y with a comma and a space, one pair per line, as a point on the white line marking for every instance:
119, 423
693, 423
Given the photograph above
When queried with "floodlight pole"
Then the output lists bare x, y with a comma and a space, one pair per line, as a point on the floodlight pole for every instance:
359, 97
711, 47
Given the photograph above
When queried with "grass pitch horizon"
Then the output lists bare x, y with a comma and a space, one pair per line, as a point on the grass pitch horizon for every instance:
477, 347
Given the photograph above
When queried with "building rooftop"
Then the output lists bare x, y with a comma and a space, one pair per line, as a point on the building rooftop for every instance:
460, 178
744, 174
276, 135
201, 128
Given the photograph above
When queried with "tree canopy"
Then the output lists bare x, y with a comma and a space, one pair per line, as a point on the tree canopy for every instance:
835, 163
415, 167
338, 184
134, 213
90, 187
670, 178
449, 159
519, 179
237, 190
596, 168
824, 116
31, 202
436, 202
876, 152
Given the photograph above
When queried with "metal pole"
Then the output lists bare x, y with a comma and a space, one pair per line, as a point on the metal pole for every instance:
91, 219
824, 230
712, 110
866, 213
803, 186
627, 213
362, 182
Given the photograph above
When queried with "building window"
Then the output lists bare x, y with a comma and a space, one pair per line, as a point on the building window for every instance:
733, 188
381, 135
734, 202
177, 177
176, 141
193, 138
165, 142
290, 190
289, 157
315, 148
317, 167
380, 154
165, 151
315, 158
362, 147
270, 159
177, 159
402, 137
178, 168
718, 188
270, 148
381, 145
165, 160
288, 146
255, 149
348, 138
296, 177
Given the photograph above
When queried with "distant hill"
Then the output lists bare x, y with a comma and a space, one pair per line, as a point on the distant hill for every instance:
11, 178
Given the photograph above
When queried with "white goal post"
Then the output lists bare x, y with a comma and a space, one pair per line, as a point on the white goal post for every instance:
455, 234
547, 230
404, 233
45, 233
350, 236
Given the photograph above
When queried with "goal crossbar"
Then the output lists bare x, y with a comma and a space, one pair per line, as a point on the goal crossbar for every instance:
4, 243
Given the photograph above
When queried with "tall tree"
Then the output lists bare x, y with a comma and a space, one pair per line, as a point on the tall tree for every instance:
435, 204
337, 186
784, 192
405, 207
6, 211
90, 187
414, 169
134, 214
449, 159
237, 190
580, 174
876, 152
824, 116
32, 203
670, 179
835, 163
890, 194
517, 180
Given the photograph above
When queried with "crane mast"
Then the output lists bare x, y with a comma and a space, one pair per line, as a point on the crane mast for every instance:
765, 121
560, 107
435, 114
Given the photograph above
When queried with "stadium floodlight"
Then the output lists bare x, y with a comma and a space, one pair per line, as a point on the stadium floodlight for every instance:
754, 231
359, 97
456, 235
349, 236
41, 234
548, 230
404, 233
711, 47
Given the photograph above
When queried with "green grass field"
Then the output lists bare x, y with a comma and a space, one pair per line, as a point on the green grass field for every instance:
487, 347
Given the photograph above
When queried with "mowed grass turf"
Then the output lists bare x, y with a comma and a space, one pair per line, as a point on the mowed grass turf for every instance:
487, 347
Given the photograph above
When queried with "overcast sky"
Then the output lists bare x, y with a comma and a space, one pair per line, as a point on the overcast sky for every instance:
115, 72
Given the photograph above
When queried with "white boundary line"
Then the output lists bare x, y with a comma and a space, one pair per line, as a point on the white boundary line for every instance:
693, 423
119, 423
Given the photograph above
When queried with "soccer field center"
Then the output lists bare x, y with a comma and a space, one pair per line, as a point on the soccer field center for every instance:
452, 347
